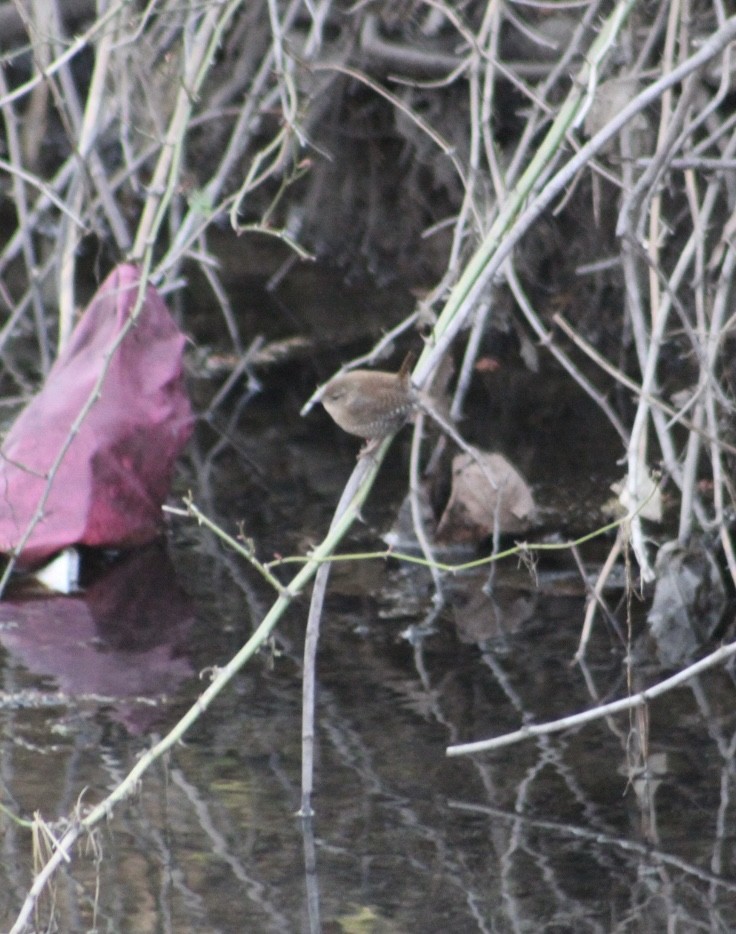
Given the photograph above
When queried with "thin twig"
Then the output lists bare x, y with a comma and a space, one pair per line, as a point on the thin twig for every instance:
605, 710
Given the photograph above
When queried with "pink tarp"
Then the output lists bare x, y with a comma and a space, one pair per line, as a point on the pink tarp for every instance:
114, 477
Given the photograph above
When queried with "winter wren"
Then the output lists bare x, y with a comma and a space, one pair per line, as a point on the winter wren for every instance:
370, 403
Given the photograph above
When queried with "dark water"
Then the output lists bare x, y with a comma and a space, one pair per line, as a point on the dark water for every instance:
581, 831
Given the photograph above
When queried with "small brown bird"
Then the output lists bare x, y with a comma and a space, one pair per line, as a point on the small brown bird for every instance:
370, 403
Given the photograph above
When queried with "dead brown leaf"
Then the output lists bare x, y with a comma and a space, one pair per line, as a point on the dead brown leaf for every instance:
487, 493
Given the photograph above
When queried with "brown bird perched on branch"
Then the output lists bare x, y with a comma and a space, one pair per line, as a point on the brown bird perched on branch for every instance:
371, 403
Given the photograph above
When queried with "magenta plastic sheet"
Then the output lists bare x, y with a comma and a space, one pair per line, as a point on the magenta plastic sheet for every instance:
110, 485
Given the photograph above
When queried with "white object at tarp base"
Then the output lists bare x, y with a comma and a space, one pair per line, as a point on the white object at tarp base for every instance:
61, 574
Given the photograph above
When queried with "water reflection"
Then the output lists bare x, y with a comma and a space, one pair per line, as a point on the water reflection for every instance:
122, 640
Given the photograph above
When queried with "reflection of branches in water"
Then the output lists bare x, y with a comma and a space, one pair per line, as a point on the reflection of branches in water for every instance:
631, 850
670, 875
633, 701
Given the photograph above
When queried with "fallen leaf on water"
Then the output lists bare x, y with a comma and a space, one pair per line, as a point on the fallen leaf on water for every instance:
488, 493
